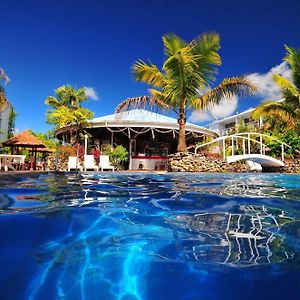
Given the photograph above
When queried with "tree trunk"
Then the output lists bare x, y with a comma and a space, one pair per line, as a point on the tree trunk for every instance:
181, 139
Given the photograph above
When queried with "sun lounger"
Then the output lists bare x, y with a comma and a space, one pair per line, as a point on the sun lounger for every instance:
89, 163
105, 164
74, 163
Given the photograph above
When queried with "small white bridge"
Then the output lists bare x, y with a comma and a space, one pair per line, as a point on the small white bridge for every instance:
263, 160
248, 146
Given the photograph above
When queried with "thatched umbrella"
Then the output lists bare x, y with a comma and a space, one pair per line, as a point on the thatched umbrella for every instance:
25, 139
44, 150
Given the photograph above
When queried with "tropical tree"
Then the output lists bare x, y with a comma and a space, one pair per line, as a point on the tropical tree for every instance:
285, 113
67, 96
184, 80
67, 110
3, 100
11, 122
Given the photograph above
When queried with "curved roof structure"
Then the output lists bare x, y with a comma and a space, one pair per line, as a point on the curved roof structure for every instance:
24, 139
145, 118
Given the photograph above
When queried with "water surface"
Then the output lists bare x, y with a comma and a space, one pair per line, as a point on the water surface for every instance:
145, 236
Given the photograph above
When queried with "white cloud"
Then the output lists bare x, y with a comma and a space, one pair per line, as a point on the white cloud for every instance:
91, 93
266, 88
199, 116
225, 108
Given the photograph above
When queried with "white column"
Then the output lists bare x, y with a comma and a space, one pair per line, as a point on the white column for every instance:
249, 148
85, 144
130, 153
282, 152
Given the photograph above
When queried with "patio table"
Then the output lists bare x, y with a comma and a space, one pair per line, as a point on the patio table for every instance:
6, 161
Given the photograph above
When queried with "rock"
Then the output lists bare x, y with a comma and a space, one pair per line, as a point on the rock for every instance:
190, 162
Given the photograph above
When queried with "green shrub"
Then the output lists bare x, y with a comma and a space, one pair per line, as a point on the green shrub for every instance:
291, 138
119, 155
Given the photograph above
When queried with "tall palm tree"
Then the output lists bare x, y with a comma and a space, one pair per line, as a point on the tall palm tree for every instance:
67, 110
187, 72
3, 100
288, 110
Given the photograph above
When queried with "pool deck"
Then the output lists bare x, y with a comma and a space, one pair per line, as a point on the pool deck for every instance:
74, 172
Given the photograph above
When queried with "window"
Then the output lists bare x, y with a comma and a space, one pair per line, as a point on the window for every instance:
230, 125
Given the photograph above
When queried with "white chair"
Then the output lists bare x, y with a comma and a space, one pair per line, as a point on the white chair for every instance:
105, 164
89, 163
74, 163
19, 162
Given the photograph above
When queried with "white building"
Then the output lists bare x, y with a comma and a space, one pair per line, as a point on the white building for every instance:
4, 123
226, 125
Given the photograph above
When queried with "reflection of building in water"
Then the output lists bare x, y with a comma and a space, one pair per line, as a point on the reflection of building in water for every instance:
246, 238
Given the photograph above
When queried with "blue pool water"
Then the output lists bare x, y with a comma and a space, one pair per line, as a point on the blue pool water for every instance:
143, 236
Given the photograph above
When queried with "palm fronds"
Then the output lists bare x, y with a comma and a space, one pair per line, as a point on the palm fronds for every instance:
285, 113
287, 87
172, 44
4, 103
141, 103
3, 76
229, 87
293, 59
188, 68
206, 48
149, 74
278, 109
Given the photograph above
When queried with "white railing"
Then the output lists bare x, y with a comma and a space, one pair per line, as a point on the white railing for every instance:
248, 140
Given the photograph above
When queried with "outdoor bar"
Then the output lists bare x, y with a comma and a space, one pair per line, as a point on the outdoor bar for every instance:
148, 136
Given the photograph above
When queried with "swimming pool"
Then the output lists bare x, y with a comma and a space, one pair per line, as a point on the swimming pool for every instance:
143, 236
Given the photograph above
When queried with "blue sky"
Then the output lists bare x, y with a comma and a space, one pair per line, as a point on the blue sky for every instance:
45, 44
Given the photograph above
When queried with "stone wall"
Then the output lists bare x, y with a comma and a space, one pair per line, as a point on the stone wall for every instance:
291, 166
190, 162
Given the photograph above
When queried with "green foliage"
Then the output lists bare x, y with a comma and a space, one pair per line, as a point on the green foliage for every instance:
67, 96
285, 112
3, 99
245, 127
291, 138
12, 122
67, 110
119, 155
106, 149
48, 139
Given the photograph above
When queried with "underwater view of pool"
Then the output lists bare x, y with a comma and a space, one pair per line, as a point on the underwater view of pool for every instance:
149, 236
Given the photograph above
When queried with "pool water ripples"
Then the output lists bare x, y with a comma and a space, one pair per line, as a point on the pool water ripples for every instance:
149, 236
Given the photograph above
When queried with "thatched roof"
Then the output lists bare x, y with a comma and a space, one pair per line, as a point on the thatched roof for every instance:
44, 150
24, 139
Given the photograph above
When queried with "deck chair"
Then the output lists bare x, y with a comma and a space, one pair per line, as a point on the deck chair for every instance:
74, 163
105, 164
89, 163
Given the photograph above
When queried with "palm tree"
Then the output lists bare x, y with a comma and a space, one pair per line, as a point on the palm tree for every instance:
67, 111
287, 111
3, 100
67, 96
188, 70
